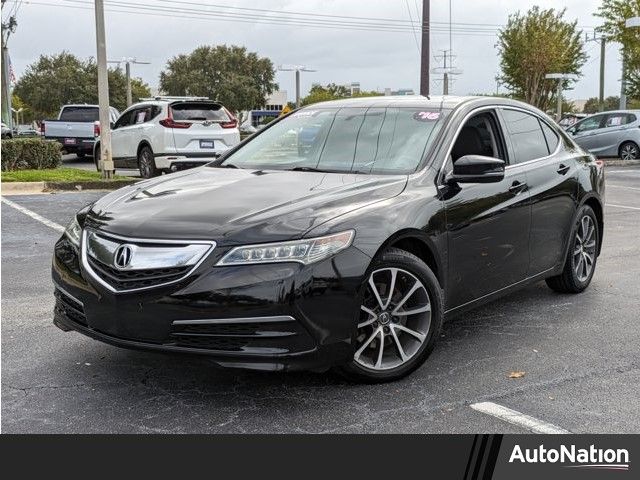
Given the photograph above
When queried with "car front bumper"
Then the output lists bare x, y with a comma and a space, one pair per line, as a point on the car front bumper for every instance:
282, 316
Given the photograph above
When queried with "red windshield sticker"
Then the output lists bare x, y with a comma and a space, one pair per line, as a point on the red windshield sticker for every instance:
426, 116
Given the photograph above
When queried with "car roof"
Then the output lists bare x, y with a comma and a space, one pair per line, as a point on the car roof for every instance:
437, 102
618, 111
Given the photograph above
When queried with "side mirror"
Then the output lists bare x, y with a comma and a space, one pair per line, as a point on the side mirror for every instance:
113, 125
477, 169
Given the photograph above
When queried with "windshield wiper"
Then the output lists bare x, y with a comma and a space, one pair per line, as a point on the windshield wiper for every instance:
228, 165
305, 169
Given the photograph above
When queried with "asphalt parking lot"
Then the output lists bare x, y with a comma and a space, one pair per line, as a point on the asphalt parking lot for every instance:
580, 355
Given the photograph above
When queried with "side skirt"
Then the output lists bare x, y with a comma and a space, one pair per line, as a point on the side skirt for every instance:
453, 312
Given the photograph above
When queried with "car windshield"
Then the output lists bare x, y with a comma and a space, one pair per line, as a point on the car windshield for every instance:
363, 140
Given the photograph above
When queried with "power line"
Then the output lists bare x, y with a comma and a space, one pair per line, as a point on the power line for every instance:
164, 12
415, 35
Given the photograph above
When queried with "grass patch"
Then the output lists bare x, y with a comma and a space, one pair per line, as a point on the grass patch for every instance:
62, 174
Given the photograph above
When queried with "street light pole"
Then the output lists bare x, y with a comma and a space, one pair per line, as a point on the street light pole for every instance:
127, 69
297, 69
561, 77
106, 161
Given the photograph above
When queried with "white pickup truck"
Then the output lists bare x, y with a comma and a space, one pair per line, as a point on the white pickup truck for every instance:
77, 128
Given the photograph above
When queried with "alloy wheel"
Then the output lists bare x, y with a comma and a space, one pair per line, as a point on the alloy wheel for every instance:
146, 164
395, 319
584, 251
629, 152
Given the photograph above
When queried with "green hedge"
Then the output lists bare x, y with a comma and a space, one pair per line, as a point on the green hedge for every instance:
30, 153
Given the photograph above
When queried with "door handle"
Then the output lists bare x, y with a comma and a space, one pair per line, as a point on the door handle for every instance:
563, 169
517, 187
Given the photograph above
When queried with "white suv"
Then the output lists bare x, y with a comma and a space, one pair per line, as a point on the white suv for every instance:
167, 134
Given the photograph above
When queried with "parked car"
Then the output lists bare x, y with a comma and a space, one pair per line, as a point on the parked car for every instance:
167, 134
77, 128
6, 131
397, 213
569, 119
610, 134
26, 131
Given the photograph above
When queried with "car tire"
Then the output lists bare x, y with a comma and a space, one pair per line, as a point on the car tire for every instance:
414, 283
147, 163
80, 154
96, 156
629, 151
580, 264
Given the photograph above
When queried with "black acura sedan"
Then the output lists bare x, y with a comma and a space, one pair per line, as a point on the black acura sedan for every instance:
341, 235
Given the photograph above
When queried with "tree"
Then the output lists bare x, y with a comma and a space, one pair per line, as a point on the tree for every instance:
614, 13
331, 91
610, 103
239, 79
533, 45
53, 81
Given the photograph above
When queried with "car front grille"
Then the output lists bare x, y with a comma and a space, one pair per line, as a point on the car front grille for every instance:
134, 279
123, 264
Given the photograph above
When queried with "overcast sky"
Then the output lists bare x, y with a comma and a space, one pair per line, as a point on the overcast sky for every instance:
375, 59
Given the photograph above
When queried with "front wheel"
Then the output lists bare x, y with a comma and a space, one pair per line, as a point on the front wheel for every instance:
147, 163
399, 321
580, 264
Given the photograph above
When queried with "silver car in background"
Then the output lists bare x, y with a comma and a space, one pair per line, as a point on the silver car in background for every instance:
610, 134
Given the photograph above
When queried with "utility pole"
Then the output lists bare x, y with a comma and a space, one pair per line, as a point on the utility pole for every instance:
106, 161
127, 68
603, 45
297, 69
425, 49
8, 28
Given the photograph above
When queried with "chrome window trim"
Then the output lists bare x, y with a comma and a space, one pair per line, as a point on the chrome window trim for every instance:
441, 173
218, 321
87, 267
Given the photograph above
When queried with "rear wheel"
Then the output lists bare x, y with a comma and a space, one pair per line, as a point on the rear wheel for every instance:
580, 264
147, 163
96, 156
629, 151
80, 154
400, 319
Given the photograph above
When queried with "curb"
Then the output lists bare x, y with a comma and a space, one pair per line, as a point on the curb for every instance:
21, 188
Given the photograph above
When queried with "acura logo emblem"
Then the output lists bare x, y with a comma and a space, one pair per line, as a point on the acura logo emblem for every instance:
122, 256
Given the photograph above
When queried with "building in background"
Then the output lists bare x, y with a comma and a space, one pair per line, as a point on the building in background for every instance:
401, 91
274, 104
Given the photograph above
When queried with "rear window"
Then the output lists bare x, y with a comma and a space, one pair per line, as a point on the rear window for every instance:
199, 111
80, 114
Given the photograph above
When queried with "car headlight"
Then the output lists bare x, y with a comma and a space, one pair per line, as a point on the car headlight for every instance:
305, 251
74, 231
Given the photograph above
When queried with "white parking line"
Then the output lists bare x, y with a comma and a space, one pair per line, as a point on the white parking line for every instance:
516, 418
34, 215
621, 206
622, 186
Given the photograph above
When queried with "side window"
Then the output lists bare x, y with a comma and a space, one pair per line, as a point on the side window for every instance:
550, 136
619, 119
590, 123
526, 135
125, 119
141, 115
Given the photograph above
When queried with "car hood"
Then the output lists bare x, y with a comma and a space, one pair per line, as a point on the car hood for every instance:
237, 206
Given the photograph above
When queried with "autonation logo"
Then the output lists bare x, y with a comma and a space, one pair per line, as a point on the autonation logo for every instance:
573, 457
